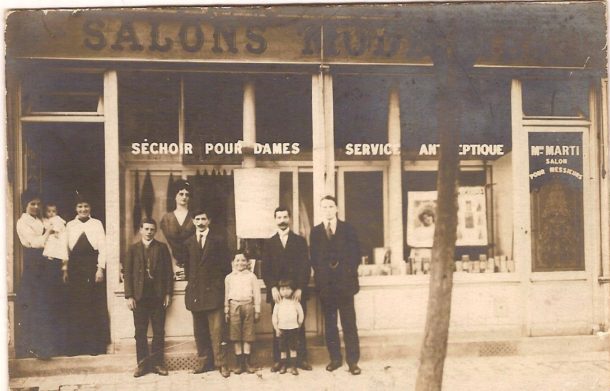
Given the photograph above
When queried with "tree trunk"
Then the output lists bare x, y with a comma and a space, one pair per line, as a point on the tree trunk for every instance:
448, 114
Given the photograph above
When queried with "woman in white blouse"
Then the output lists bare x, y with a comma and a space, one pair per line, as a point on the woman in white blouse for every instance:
88, 331
40, 295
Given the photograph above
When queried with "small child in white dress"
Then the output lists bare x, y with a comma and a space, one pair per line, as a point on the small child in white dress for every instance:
56, 246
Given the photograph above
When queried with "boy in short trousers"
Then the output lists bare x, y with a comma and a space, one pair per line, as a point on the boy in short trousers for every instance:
242, 309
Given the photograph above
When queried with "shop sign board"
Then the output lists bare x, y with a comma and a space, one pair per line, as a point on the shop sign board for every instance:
508, 36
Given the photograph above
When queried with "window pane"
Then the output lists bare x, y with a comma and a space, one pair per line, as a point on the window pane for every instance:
364, 208
213, 111
148, 107
283, 114
486, 118
418, 113
286, 191
360, 113
556, 193
564, 98
62, 92
305, 203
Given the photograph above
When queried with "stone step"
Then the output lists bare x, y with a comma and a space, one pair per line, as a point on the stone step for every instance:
181, 355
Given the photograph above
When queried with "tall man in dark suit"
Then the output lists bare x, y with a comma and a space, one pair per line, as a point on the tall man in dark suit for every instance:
285, 257
148, 276
335, 254
209, 263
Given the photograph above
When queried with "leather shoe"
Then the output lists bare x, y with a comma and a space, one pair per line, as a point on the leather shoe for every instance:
224, 371
354, 369
283, 369
304, 365
200, 369
333, 365
139, 371
276, 366
160, 370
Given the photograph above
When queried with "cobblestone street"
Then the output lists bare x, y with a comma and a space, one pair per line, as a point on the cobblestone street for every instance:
568, 372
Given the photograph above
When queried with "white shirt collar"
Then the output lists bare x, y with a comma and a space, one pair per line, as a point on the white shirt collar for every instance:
203, 233
283, 232
333, 224
147, 242
30, 217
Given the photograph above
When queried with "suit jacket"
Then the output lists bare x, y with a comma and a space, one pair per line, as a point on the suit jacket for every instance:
291, 262
134, 270
207, 269
345, 249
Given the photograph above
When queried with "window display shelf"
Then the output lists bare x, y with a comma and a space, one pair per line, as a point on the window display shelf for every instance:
420, 279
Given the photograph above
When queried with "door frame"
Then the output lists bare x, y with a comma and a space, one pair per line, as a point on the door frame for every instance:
522, 126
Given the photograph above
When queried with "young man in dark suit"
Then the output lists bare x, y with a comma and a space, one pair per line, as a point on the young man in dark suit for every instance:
209, 263
335, 255
285, 257
148, 276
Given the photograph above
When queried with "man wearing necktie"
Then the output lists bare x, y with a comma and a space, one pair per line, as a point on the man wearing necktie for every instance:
209, 263
335, 254
285, 257
148, 277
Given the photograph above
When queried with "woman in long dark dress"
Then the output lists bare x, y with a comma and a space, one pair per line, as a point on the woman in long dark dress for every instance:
88, 331
39, 298
177, 226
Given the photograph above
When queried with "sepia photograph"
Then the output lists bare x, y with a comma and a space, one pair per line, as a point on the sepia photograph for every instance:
370, 196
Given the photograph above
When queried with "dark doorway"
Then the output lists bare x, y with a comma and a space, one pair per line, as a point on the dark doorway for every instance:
62, 158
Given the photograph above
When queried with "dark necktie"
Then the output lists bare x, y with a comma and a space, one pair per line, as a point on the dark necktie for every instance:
329, 232
148, 262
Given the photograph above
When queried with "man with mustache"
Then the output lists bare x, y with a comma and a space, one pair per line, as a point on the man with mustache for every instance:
285, 257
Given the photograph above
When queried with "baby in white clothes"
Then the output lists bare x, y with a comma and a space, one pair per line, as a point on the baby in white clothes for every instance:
56, 246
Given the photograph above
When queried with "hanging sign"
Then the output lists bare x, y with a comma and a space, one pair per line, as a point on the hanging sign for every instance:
257, 194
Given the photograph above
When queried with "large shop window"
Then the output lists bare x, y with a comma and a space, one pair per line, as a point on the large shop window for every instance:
360, 116
148, 107
213, 116
283, 117
557, 204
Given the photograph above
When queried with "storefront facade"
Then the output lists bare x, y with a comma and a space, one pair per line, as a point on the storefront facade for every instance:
342, 103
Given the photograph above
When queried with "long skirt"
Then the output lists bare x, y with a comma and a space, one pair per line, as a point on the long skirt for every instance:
88, 331
41, 324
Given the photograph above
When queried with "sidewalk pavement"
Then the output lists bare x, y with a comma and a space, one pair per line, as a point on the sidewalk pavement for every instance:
565, 372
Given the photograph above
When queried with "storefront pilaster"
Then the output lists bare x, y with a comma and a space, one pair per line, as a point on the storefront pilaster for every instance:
323, 140
249, 122
395, 235
520, 203
113, 215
